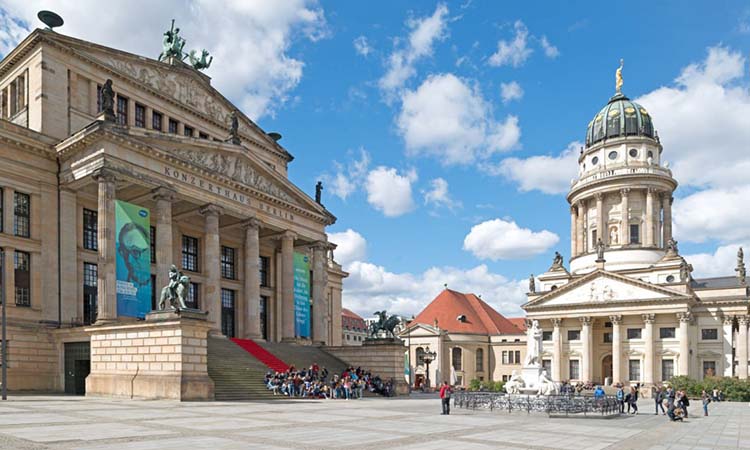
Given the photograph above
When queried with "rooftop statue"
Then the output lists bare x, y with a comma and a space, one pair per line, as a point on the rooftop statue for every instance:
618, 77
108, 101
172, 44
599, 250
318, 192
200, 63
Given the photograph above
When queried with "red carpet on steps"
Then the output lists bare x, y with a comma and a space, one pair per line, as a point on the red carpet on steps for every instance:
261, 354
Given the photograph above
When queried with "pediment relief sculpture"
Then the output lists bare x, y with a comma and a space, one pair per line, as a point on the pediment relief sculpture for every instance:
233, 167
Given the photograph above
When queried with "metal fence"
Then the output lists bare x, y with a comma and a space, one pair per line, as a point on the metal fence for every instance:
553, 405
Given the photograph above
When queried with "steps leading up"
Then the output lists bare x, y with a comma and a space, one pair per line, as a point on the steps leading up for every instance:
261, 354
237, 375
303, 356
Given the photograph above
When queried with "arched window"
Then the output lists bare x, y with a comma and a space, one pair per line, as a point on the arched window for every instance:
457, 357
420, 356
480, 360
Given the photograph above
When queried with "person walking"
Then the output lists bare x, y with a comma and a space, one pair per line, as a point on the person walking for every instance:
705, 399
659, 399
620, 395
633, 400
445, 398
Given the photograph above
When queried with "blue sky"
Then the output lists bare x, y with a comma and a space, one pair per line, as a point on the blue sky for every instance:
445, 132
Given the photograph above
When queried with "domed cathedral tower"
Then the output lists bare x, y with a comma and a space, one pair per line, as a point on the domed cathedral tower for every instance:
623, 193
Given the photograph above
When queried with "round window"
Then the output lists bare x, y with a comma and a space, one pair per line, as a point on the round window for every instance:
670, 279
612, 155
633, 152
595, 160
650, 154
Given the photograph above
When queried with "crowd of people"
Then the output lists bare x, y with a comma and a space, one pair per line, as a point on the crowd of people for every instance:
316, 382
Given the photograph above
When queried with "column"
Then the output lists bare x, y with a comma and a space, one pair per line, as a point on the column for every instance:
601, 223
252, 279
648, 342
616, 348
320, 305
131, 112
212, 266
667, 225
581, 238
164, 242
625, 216
648, 234
728, 346
8, 210
684, 339
573, 231
287, 286
149, 117
9, 258
742, 347
586, 340
556, 350
106, 289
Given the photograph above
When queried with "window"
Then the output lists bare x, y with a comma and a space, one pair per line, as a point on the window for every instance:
634, 369
480, 360
506, 359
188, 131
152, 235
593, 239
227, 263
634, 333
4, 103
156, 120
227, 312
574, 335
633, 152
574, 369
202, 135
140, 115
21, 214
264, 264
13, 99
595, 160
90, 229
518, 356
650, 154
635, 237
670, 279
546, 335
190, 253
547, 365
612, 155
607, 324
709, 368
90, 279
420, 356
709, 334
22, 262
666, 333
172, 126
193, 297
667, 369
608, 337
122, 110
457, 355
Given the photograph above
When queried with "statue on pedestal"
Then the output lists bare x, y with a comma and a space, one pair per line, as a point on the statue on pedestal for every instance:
532, 284
108, 101
557, 262
740, 269
545, 385
599, 250
533, 345
385, 323
318, 192
514, 384
173, 295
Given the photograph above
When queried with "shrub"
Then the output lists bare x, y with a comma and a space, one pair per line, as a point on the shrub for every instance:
492, 386
733, 388
475, 385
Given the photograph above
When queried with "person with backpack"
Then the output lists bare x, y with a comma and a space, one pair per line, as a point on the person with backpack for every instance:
445, 398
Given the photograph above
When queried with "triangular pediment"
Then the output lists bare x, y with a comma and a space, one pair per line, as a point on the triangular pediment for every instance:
602, 287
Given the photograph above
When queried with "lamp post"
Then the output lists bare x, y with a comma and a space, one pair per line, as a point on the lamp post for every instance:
4, 349
428, 357
408, 353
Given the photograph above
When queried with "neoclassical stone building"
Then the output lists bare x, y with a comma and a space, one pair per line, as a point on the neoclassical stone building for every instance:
221, 206
627, 309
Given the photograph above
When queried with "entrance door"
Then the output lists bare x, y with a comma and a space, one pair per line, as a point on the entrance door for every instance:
227, 312
77, 367
607, 369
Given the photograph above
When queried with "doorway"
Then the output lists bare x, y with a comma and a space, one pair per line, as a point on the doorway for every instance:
77, 367
607, 369
227, 312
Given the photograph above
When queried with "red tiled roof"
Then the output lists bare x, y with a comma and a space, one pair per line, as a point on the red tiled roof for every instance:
519, 322
480, 317
350, 313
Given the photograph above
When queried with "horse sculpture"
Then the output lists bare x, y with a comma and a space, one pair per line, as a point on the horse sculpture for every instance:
385, 323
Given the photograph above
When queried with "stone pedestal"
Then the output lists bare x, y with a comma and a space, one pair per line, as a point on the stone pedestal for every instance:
382, 357
530, 375
163, 357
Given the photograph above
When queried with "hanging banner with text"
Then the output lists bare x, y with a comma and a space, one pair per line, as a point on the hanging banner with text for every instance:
301, 295
133, 261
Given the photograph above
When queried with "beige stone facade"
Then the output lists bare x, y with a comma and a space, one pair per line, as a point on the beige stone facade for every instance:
225, 214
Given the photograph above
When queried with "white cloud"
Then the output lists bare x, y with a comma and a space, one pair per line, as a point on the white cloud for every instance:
349, 176
362, 46
720, 263
550, 51
513, 53
250, 41
713, 214
350, 246
548, 174
448, 118
511, 91
371, 288
501, 239
424, 33
438, 195
12, 31
390, 192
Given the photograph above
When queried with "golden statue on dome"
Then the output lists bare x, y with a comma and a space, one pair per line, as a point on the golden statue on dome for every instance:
618, 77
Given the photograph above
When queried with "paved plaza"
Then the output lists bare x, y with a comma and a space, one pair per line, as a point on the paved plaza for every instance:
372, 423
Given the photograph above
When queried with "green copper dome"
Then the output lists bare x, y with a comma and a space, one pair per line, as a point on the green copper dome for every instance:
620, 117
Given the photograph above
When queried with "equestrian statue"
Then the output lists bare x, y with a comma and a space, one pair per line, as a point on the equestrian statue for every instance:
385, 323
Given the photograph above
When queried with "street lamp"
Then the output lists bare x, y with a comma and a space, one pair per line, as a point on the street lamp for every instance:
4, 349
408, 353
428, 357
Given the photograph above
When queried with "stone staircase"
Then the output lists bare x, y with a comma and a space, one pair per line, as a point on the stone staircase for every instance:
237, 374
304, 356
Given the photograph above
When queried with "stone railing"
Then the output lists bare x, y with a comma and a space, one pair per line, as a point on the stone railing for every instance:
553, 405
655, 170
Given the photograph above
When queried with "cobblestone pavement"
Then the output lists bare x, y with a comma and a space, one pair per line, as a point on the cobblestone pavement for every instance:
37, 422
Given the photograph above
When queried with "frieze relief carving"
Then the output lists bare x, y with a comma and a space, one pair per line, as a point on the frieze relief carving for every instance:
233, 167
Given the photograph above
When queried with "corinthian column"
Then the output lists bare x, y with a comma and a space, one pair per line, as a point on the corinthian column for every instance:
287, 285
586, 356
581, 238
648, 343
573, 231
212, 265
742, 351
728, 343
164, 250
107, 277
556, 350
667, 200
649, 231
684, 339
601, 223
625, 216
616, 348
320, 306
252, 279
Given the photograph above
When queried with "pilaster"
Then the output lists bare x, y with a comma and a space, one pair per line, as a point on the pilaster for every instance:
648, 342
320, 305
684, 338
556, 350
586, 354
742, 350
164, 198
648, 234
601, 222
727, 337
667, 200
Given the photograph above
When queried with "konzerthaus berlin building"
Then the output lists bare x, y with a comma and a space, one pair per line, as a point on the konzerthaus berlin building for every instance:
628, 309
220, 204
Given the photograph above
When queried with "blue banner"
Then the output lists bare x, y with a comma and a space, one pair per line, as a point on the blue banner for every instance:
301, 295
133, 261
